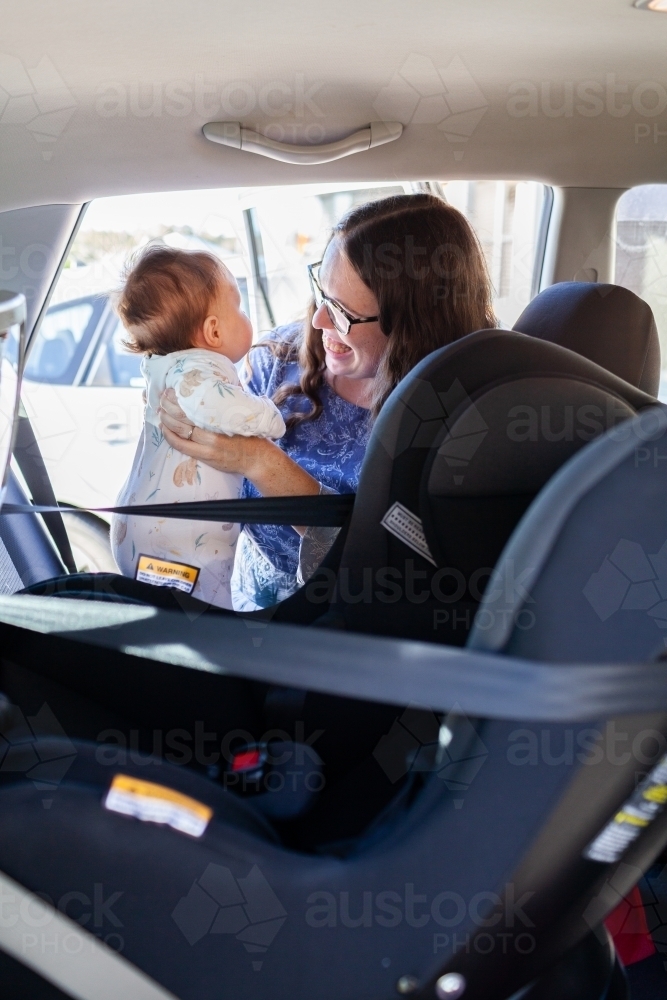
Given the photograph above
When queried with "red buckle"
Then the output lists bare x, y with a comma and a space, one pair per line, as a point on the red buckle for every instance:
248, 760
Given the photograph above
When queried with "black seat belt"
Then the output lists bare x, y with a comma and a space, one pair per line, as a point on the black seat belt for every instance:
327, 510
31, 463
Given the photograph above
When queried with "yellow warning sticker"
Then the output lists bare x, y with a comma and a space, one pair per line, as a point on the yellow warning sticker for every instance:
163, 573
637, 813
153, 803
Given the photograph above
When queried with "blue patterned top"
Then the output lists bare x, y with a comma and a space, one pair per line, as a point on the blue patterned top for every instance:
330, 448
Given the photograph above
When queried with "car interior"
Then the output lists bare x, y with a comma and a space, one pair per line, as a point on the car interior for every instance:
439, 768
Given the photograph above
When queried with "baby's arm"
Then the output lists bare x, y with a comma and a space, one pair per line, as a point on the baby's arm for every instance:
210, 395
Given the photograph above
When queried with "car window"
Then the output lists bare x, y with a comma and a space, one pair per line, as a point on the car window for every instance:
56, 352
289, 229
641, 255
266, 237
506, 216
113, 363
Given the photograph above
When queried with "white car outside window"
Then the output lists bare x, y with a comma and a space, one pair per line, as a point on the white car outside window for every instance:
641, 255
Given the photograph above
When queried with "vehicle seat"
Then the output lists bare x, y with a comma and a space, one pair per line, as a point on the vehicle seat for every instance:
607, 324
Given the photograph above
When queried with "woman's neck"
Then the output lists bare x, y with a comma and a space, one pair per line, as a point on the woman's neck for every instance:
358, 391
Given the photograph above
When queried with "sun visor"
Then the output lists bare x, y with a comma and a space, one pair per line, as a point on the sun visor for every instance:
12, 348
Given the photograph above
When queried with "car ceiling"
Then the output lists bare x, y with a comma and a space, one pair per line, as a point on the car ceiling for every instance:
78, 81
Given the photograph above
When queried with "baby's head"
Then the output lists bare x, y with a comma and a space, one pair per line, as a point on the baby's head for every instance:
176, 299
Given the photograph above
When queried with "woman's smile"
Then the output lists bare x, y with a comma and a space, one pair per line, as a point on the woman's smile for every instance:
333, 346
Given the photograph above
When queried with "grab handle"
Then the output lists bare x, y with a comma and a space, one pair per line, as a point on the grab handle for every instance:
234, 134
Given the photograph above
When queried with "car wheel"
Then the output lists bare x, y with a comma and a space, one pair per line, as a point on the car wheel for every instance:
91, 547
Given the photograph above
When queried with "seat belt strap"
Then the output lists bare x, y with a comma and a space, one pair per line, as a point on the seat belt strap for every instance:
327, 510
364, 667
76, 962
31, 463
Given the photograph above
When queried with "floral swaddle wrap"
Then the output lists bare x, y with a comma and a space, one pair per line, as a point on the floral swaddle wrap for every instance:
194, 556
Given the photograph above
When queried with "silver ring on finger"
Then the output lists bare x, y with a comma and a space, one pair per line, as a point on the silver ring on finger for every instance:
190, 433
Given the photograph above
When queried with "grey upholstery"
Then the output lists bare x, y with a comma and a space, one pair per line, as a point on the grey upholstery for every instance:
591, 554
608, 324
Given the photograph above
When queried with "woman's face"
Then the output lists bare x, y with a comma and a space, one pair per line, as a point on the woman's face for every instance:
358, 354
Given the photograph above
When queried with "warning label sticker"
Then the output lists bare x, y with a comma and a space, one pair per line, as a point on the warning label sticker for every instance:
407, 527
646, 802
163, 573
153, 803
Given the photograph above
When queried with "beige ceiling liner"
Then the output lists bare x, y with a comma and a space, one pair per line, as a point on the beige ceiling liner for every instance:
111, 96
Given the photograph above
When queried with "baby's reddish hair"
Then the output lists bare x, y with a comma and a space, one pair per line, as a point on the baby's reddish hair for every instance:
166, 298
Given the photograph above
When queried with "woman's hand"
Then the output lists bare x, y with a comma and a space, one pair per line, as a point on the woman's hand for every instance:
172, 416
261, 461
236, 454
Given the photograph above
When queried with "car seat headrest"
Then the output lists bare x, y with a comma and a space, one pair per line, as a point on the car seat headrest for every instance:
607, 324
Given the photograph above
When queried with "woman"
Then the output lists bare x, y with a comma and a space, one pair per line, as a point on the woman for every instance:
399, 278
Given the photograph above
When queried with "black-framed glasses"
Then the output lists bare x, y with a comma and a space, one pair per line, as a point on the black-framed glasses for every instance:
339, 316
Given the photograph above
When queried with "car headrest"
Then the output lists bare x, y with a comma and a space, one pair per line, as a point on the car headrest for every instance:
607, 324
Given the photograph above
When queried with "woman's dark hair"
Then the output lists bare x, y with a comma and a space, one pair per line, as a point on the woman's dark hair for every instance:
421, 259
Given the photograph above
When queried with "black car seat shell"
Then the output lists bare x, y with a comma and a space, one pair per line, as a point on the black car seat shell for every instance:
463, 445
591, 555
607, 324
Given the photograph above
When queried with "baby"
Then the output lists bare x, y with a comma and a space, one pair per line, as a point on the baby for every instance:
182, 311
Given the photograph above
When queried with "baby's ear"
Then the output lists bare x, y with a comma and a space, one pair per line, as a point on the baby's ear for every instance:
211, 333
